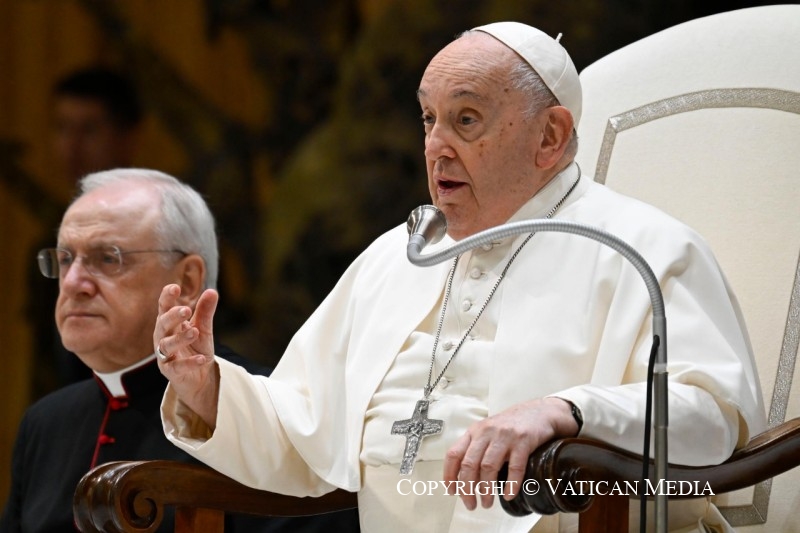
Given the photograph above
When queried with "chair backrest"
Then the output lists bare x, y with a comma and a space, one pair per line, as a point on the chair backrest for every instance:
703, 121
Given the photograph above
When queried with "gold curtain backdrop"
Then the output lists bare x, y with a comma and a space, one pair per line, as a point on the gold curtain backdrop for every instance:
297, 120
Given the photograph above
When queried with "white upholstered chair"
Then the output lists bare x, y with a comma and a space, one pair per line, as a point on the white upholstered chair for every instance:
703, 121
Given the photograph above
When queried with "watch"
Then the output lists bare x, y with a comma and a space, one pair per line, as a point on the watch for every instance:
577, 415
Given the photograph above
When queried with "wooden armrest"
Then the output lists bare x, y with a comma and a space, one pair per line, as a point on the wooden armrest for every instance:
124, 497
574, 460
127, 496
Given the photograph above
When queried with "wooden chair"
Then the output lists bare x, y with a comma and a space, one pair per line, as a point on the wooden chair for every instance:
130, 496
702, 120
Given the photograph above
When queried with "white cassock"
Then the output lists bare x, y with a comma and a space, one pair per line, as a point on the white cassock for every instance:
571, 319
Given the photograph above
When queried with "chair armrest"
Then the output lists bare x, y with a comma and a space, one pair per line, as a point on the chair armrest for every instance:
574, 460
123, 497
127, 496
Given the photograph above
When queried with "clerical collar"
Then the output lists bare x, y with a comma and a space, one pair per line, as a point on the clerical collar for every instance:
542, 201
113, 380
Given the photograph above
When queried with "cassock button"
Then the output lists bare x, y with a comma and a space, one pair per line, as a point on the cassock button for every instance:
117, 404
443, 383
466, 305
487, 247
448, 345
475, 273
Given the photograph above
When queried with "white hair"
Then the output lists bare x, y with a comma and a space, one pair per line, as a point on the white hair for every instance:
186, 222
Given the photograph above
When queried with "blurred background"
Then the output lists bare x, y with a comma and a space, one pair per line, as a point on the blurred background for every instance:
297, 119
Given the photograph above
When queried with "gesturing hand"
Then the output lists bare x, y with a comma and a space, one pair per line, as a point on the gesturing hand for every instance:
187, 341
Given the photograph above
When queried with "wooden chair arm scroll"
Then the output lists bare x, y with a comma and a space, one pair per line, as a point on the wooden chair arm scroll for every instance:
574, 460
130, 496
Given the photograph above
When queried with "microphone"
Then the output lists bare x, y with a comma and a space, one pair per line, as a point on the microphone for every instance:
426, 225
435, 228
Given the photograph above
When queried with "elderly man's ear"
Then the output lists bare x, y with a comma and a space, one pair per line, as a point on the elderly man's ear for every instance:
557, 124
191, 272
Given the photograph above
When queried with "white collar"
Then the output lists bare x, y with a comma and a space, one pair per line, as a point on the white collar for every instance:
544, 200
113, 380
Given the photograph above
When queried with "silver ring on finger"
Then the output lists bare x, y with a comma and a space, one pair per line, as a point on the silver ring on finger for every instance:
161, 355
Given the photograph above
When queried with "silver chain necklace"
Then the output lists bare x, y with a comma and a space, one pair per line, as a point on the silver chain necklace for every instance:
419, 425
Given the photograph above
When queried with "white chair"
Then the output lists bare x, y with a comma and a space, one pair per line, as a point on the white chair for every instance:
703, 121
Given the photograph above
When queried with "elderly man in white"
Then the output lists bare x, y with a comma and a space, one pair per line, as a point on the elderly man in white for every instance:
527, 339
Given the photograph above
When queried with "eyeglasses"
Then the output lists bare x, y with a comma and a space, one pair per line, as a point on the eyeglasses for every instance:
106, 262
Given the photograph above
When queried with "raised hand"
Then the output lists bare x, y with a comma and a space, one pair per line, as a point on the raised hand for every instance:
186, 341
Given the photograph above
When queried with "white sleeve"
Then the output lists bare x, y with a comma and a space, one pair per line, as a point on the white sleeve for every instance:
248, 444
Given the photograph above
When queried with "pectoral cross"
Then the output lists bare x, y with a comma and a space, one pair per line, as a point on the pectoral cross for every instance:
415, 429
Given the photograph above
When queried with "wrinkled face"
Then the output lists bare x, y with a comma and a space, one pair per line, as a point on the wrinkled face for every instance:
480, 146
108, 321
86, 140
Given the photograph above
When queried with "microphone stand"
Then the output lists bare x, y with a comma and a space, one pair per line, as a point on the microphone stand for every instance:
426, 225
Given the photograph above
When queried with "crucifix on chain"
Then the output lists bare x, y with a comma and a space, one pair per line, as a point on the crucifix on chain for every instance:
415, 429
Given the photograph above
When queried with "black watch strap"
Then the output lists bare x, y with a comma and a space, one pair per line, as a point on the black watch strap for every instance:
577, 415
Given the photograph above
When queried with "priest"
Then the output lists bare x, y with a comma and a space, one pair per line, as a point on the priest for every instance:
128, 233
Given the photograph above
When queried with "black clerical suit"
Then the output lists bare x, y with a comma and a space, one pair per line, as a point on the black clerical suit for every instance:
68, 432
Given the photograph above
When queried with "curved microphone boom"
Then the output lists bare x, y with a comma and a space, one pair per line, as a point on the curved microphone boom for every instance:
427, 225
